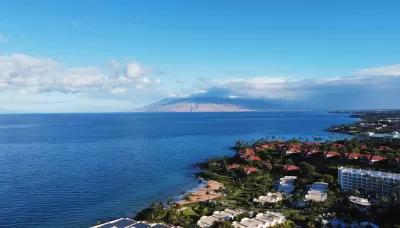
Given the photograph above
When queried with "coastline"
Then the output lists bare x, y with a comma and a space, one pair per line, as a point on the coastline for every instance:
205, 193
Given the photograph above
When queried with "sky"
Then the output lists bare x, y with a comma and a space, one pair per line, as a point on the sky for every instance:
114, 56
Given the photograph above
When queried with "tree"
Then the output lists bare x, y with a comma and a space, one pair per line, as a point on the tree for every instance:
307, 169
222, 224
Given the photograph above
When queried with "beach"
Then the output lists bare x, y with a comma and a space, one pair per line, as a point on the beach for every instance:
205, 193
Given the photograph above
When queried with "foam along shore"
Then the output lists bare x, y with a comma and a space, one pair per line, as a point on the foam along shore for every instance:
205, 193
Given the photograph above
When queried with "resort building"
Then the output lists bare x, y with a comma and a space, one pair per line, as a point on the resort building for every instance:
129, 223
360, 203
286, 184
317, 192
269, 198
227, 214
390, 138
381, 183
267, 219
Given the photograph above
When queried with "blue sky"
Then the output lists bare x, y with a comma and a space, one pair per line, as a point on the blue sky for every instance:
79, 56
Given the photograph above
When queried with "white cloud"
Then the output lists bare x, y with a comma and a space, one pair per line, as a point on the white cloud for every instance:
146, 81
3, 39
391, 70
34, 75
134, 70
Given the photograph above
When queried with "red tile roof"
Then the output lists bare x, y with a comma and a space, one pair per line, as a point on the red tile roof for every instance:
246, 168
381, 148
249, 154
352, 155
363, 147
331, 153
288, 167
337, 145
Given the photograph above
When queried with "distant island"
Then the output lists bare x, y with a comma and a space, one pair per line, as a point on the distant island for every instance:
212, 104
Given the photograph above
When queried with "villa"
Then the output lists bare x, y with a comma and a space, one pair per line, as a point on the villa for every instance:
329, 154
286, 184
269, 198
352, 156
227, 214
317, 192
267, 219
247, 169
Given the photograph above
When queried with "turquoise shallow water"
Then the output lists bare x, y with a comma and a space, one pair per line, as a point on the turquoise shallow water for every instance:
73, 170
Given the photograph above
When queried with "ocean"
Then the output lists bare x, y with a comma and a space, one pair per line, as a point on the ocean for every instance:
72, 170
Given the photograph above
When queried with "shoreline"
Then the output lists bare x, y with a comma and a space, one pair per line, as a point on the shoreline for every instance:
205, 193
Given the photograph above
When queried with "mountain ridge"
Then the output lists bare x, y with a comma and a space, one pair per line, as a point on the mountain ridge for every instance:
213, 104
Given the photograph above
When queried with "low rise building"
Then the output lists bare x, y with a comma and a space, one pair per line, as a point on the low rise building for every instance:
381, 183
227, 214
269, 198
261, 220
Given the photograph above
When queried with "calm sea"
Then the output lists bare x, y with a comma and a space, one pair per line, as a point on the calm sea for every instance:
75, 169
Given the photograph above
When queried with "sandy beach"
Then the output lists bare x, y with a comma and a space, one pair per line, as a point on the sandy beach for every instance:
201, 194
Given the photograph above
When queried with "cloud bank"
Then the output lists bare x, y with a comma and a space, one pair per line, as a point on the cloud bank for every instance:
366, 88
28, 74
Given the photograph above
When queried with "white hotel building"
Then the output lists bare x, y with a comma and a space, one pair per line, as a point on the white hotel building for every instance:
382, 183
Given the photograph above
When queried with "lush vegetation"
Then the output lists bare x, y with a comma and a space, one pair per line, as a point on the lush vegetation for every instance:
241, 187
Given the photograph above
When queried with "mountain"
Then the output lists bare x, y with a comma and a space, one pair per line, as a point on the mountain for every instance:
212, 104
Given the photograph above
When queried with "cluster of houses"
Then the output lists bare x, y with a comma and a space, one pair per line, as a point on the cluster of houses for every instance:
266, 219
309, 149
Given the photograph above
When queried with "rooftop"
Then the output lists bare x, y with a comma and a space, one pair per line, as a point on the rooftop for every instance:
359, 201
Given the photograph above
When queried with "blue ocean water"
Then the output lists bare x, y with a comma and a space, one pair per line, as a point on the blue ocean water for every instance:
72, 170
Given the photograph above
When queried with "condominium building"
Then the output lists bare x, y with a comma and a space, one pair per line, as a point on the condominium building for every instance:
381, 183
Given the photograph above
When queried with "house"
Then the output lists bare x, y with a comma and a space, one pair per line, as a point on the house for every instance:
329, 154
372, 159
337, 145
247, 169
285, 184
310, 152
352, 156
376, 158
291, 149
249, 154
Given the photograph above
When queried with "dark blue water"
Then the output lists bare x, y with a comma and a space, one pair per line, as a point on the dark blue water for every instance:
73, 170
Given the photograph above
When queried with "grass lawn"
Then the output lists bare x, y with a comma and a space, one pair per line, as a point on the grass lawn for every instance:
189, 212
